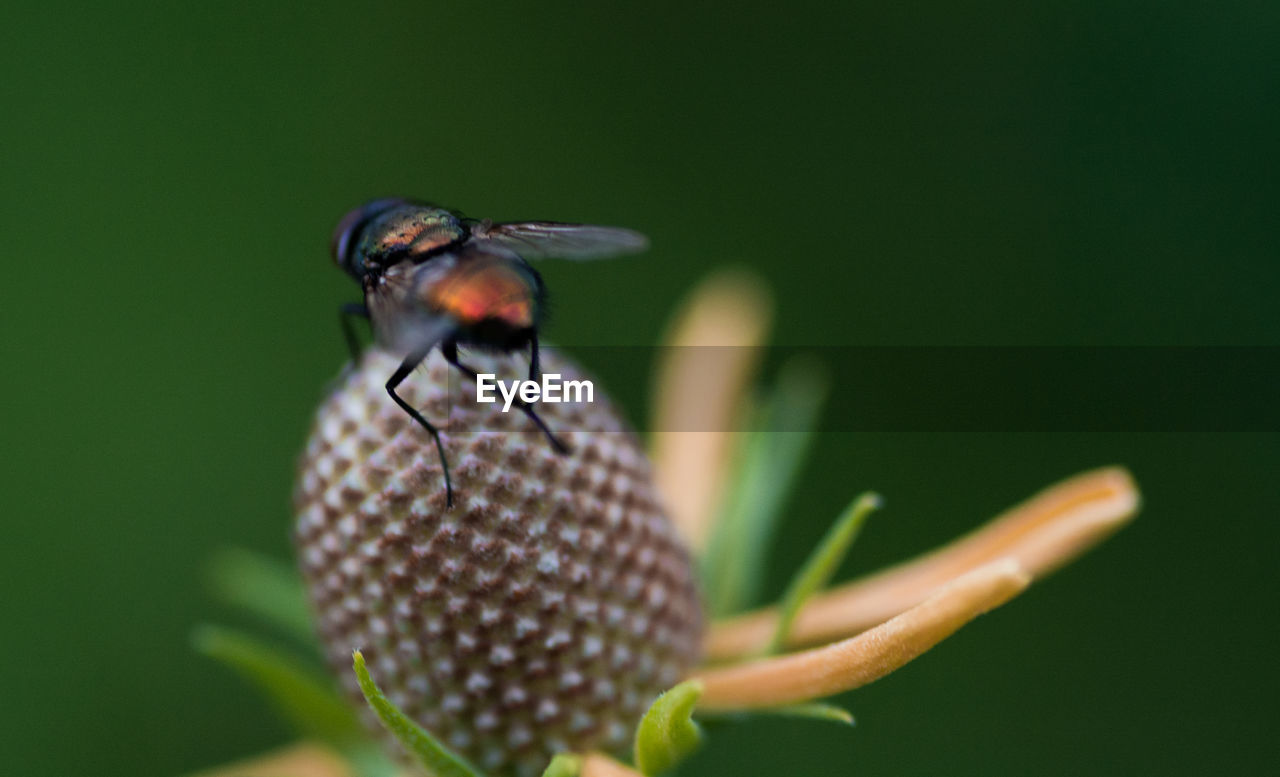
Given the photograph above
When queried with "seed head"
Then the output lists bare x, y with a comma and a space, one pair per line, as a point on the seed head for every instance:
542, 613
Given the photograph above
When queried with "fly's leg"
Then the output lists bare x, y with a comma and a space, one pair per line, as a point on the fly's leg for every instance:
345, 314
407, 366
450, 350
535, 373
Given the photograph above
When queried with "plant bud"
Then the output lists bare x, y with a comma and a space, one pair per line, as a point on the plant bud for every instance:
542, 613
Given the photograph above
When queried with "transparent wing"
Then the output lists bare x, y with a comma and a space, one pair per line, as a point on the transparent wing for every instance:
550, 239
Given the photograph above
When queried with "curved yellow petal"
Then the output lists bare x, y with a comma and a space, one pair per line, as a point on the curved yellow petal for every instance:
598, 765
304, 759
707, 360
1043, 533
842, 666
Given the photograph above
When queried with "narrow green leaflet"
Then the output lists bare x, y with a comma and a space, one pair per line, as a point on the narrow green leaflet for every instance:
564, 765
437, 759
766, 470
667, 733
268, 588
303, 697
816, 572
812, 711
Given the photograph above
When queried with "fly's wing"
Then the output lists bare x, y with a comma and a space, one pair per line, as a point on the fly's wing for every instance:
401, 322
550, 239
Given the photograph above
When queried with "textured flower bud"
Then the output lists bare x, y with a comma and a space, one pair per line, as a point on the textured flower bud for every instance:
542, 613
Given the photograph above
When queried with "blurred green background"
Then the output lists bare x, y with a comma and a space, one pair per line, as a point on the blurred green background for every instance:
1004, 173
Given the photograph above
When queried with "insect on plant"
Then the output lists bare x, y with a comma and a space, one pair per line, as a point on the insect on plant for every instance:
434, 278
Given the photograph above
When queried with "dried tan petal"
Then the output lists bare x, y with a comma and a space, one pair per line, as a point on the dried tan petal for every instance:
708, 358
598, 765
1043, 533
304, 759
842, 666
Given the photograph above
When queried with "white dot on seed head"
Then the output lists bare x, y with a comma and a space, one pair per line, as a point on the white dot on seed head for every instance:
518, 736
656, 595
549, 562
486, 721
452, 702
591, 646
490, 615
460, 739
514, 695
525, 626
614, 614
387, 665
602, 689
556, 745
477, 682
557, 638
547, 709
621, 655
570, 679
632, 585
501, 655
580, 721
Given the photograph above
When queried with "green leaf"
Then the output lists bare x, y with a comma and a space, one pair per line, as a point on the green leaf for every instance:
564, 765
369, 759
812, 711
667, 733
816, 572
767, 465
268, 588
437, 759
304, 698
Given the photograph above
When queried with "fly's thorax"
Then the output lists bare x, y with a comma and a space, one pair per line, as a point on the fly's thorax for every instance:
409, 231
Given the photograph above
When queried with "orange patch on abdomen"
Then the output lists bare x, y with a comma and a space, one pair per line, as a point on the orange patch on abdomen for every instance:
478, 290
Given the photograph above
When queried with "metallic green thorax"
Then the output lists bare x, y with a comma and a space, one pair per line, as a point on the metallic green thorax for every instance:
409, 230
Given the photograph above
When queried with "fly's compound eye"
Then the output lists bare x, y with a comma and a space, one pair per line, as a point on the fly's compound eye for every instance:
347, 234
